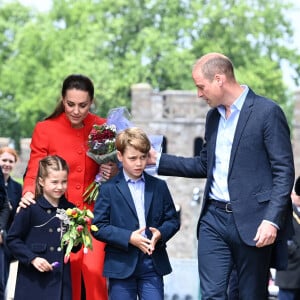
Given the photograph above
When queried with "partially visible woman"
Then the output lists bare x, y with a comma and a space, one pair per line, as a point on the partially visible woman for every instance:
8, 159
65, 133
288, 280
4, 214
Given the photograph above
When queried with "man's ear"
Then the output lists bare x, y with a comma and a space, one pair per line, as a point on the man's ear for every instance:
219, 79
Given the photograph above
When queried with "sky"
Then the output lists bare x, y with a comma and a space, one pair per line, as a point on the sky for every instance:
44, 5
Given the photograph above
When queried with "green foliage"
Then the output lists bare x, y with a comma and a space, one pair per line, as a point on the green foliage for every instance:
124, 42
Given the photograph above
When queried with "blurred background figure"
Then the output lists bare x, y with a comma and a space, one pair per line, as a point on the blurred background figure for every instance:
8, 159
289, 279
4, 214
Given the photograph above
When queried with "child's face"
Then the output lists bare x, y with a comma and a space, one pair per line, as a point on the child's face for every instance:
134, 162
54, 185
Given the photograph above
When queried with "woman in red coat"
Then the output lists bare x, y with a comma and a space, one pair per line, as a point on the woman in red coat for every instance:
65, 133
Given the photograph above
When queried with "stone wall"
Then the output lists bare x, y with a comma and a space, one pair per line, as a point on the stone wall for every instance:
180, 117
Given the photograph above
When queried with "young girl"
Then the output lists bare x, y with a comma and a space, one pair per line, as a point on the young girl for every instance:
35, 234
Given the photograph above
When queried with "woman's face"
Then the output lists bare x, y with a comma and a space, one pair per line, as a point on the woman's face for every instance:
77, 104
7, 163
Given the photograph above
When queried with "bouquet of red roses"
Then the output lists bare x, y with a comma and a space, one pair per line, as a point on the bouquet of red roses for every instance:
101, 144
102, 149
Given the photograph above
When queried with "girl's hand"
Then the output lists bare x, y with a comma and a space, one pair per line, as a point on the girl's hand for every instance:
41, 264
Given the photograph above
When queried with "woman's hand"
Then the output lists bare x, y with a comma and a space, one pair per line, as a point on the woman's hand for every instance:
108, 170
26, 200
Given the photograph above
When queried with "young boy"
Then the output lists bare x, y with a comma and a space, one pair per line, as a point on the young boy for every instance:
135, 216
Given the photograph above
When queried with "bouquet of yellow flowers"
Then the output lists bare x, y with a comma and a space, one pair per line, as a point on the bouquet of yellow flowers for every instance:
75, 224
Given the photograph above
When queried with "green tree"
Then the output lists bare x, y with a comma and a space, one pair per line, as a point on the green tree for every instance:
124, 42
12, 17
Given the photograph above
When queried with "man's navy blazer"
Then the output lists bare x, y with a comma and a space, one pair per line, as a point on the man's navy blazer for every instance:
116, 219
261, 167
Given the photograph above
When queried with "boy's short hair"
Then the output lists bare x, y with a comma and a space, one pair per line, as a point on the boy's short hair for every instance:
134, 137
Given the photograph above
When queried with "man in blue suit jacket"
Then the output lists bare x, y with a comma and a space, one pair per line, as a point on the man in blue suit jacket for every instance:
248, 162
135, 216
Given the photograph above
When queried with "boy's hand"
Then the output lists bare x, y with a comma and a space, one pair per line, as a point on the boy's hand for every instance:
156, 236
139, 241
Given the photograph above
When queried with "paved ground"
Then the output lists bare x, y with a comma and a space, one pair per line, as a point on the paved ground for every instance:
11, 281
14, 267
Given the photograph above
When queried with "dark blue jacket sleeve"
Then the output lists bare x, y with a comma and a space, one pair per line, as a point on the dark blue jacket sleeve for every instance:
4, 206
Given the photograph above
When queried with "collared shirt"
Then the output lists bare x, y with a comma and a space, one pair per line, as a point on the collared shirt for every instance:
225, 136
137, 189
